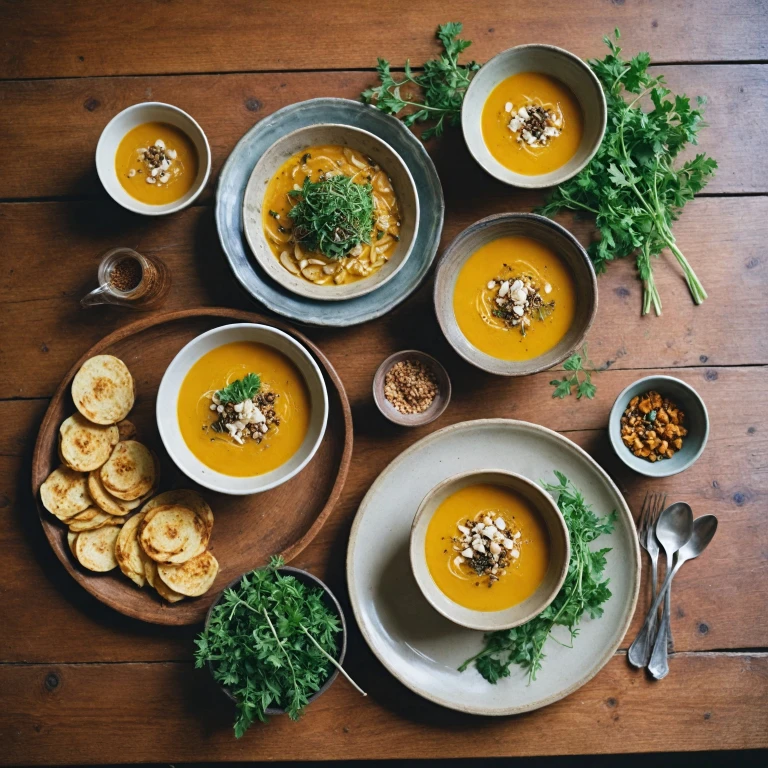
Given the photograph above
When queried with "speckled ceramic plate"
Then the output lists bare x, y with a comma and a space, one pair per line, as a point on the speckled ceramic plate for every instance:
422, 648
229, 212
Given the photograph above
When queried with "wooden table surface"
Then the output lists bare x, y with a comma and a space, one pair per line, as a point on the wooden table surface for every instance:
80, 683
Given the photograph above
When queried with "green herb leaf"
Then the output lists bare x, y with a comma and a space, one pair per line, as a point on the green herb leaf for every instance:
333, 215
562, 387
577, 363
583, 592
240, 389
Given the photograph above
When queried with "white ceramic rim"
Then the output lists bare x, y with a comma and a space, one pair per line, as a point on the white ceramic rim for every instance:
392, 669
482, 620
104, 171
615, 414
165, 396
494, 167
291, 282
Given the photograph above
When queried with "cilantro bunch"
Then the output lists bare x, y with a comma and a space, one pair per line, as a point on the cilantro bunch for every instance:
441, 85
272, 641
632, 187
583, 592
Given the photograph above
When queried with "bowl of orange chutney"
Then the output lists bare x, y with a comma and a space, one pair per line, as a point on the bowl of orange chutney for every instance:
534, 116
489, 549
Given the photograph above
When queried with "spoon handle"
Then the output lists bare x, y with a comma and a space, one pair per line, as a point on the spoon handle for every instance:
640, 655
659, 664
666, 610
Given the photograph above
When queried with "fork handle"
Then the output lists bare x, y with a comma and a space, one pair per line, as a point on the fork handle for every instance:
659, 663
640, 652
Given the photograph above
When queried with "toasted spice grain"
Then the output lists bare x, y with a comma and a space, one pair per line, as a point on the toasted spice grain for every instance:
126, 275
410, 386
652, 427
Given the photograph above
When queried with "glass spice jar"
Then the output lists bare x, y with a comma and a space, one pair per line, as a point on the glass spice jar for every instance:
130, 279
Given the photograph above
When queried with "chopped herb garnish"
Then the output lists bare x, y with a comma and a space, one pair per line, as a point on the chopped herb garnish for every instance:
306, 156
379, 234
241, 389
584, 388
274, 214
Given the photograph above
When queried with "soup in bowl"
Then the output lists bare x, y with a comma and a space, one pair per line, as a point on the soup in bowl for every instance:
515, 294
242, 408
489, 549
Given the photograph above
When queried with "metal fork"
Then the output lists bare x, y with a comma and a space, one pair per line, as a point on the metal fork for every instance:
653, 504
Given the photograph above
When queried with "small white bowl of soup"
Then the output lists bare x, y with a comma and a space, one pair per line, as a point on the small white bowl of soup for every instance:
534, 116
242, 408
153, 159
489, 549
331, 212
515, 294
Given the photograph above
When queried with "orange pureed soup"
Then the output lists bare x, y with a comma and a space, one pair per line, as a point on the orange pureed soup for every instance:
491, 327
528, 558
279, 376
509, 142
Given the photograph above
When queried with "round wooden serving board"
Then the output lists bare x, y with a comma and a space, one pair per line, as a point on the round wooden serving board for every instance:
247, 529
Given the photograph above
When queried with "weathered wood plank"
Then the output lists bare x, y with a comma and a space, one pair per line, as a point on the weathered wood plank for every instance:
56, 714
43, 39
52, 251
70, 114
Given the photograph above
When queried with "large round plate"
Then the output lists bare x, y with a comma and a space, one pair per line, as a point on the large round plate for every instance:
229, 212
247, 530
419, 646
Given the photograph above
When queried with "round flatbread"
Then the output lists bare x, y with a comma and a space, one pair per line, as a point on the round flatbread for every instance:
105, 500
86, 514
95, 549
185, 498
171, 533
166, 592
193, 578
129, 555
150, 572
71, 539
83, 445
64, 493
130, 472
99, 520
103, 389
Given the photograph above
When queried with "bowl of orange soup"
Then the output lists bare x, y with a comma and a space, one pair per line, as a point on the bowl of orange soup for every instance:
153, 158
515, 294
489, 549
534, 116
242, 408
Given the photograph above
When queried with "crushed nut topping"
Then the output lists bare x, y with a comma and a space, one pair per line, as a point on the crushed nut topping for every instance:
534, 124
250, 419
652, 427
410, 386
157, 163
488, 545
516, 300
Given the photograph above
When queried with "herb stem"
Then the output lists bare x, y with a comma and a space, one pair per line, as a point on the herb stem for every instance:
332, 660
285, 653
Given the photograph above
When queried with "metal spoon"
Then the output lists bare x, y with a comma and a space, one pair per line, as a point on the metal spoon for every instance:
673, 530
704, 528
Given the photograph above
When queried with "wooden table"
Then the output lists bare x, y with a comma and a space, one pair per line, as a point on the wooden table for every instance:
80, 683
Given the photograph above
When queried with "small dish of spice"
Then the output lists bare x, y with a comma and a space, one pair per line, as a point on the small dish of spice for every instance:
658, 426
411, 388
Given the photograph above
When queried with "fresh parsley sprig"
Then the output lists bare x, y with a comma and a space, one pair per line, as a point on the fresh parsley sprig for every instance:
272, 641
633, 188
240, 389
583, 593
584, 387
439, 89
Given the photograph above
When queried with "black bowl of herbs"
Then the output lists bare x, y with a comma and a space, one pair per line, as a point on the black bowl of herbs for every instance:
274, 641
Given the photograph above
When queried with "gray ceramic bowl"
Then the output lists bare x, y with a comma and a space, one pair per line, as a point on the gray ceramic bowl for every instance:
439, 404
560, 552
547, 60
696, 422
551, 234
331, 602
345, 135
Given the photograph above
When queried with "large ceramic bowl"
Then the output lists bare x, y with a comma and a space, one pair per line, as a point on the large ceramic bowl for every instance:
551, 234
547, 60
167, 403
559, 541
128, 119
696, 422
362, 141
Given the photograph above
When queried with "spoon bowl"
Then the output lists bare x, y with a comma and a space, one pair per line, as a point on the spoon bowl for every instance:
675, 526
704, 529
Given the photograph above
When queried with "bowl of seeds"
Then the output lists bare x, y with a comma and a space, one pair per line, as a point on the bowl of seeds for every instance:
411, 388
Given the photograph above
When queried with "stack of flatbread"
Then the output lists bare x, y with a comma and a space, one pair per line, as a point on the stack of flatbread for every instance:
105, 475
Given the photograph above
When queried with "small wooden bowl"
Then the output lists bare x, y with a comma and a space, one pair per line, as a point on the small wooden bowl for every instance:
439, 404
331, 602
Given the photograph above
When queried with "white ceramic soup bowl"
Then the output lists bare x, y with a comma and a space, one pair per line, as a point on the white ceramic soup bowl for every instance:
559, 543
167, 408
547, 60
362, 141
127, 120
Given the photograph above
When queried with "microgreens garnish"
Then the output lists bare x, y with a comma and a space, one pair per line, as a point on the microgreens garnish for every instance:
241, 389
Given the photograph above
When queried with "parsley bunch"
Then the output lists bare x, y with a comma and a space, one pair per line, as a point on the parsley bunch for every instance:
332, 215
240, 389
442, 85
271, 640
584, 387
583, 592
632, 186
